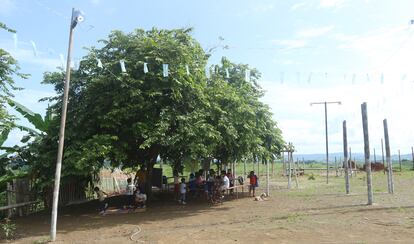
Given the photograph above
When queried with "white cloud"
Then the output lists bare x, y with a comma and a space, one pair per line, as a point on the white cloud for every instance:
385, 50
315, 32
263, 7
335, 4
95, 2
303, 124
297, 6
291, 43
7, 7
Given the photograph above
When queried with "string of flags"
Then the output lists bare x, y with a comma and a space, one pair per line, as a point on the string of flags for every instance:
354, 77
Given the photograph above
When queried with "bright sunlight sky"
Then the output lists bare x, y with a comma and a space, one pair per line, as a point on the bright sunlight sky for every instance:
352, 51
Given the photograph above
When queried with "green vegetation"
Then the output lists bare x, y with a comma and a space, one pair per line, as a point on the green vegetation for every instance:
130, 119
8, 228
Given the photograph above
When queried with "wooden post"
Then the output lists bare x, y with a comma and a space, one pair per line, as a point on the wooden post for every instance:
303, 162
412, 155
284, 164
366, 152
382, 152
388, 157
267, 177
296, 174
289, 170
336, 167
346, 165
399, 159
355, 167
273, 162
9, 199
349, 162
375, 156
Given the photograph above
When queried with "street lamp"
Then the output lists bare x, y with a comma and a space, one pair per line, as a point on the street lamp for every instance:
76, 18
326, 133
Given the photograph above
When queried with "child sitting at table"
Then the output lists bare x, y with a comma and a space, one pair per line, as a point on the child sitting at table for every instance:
140, 198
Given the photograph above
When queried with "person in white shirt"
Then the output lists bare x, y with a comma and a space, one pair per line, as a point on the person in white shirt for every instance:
226, 181
130, 188
183, 191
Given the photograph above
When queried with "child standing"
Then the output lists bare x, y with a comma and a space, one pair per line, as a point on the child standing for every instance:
192, 185
130, 188
183, 191
103, 205
176, 184
253, 183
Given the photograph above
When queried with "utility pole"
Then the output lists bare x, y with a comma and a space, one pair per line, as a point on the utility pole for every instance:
326, 134
74, 20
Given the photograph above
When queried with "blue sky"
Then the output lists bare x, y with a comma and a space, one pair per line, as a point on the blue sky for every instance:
308, 51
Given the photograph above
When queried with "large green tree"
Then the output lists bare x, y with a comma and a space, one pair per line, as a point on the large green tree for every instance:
130, 118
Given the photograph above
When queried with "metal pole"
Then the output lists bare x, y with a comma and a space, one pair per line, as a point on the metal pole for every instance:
326, 139
412, 154
326, 135
350, 160
61, 136
375, 157
366, 152
382, 152
336, 167
346, 157
388, 156
399, 159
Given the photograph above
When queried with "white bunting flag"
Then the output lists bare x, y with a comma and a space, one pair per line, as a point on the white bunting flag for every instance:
382, 78
227, 73
122, 63
34, 48
99, 63
367, 77
187, 69
62, 61
247, 75
165, 70
15, 40
145, 68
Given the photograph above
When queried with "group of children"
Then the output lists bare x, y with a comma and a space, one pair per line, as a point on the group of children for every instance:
134, 197
213, 185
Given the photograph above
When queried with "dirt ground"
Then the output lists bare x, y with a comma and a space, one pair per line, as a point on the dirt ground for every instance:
313, 213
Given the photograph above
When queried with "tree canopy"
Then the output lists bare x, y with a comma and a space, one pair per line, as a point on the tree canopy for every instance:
128, 119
